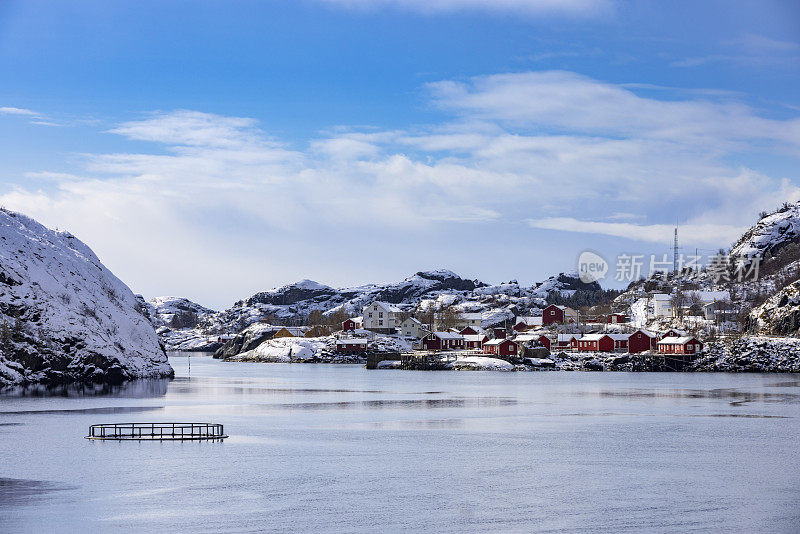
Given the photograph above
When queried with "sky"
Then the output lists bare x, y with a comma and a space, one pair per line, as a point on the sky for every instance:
213, 149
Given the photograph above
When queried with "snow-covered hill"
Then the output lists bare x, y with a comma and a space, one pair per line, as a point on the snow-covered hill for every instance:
438, 287
64, 317
177, 312
771, 233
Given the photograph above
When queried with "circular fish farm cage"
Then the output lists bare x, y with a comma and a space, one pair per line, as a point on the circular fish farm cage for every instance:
157, 431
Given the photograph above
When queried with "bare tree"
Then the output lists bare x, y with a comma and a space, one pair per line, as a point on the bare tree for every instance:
448, 317
678, 301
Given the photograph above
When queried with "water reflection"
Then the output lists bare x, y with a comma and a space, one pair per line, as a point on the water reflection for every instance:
734, 396
19, 492
134, 389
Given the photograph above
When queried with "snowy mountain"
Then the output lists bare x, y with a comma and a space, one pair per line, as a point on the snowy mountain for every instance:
438, 287
64, 317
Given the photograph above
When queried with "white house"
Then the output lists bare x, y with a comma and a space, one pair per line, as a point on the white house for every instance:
413, 328
660, 305
381, 317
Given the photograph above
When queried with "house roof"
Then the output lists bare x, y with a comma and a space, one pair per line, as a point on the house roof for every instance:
678, 331
530, 320
647, 332
529, 337
386, 306
474, 337
567, 337
498, 341
351, 341
448, 335
661, 296
682, 340
472, 316
413, 320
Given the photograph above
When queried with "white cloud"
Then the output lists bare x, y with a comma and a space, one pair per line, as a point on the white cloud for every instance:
17, 111
579, 8
700, 234
219, 202
569, 102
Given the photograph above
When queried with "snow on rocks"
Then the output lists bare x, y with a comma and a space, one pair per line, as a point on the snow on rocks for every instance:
285, 350
480, 363
64, 317
751, 354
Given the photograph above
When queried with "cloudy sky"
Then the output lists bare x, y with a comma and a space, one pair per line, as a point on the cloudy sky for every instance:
214, 149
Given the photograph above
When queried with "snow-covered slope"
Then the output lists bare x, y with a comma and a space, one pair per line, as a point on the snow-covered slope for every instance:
771, 233
64, 317
438, 287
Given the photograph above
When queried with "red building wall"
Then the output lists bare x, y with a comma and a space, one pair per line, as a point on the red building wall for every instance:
552, 314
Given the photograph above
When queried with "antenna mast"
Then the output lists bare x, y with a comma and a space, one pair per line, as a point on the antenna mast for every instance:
675, 251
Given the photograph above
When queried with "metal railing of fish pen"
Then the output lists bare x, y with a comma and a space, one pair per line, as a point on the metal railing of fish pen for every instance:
157, 431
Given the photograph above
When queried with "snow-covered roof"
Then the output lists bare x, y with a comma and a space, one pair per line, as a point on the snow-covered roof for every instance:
712, 296
474, 337
646, 332
530, 320
386, 306
678, 331
682, 340
472, 316
567, 337
351, 341
448, 335
661, 296
498, 341
413, 320
528, 337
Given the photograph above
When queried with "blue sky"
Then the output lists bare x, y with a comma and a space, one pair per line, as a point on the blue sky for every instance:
214, 149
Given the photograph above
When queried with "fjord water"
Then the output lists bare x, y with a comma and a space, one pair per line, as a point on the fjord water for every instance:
334, 448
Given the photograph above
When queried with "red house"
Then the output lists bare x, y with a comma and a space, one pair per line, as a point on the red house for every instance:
544, 340
554, 314
500, 347
475, 341
351, 345
603, 342
567, 341
443, 341
352, 324
680, 345
613, 318
642, 341
468, 331
499, 332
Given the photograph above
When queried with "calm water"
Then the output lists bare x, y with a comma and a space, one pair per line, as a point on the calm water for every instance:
339, 448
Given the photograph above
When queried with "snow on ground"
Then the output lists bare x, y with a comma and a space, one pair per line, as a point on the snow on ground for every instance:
389, 364
480, 363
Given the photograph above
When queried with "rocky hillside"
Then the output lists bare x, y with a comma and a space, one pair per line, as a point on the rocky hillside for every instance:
440, 287
780, 314
64, 317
